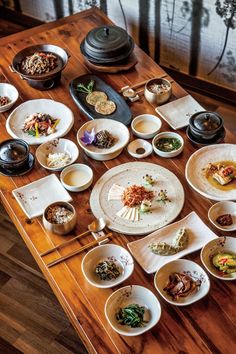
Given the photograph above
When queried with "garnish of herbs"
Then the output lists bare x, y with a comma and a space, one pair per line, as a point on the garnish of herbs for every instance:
86, 88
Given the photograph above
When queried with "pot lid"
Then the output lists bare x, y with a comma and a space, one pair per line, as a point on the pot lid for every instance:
13, 150
107, 42
206, 121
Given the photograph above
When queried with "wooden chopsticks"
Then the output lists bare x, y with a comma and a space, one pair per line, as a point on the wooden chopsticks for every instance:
64, 243
81, 249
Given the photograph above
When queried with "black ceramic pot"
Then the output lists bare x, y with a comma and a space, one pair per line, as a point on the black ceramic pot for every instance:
44, 81
205, 125
107, 45
14, 154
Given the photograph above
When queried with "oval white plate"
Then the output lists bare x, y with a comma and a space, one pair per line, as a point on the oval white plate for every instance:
219, 245
182, 266
132, 294
132, 173
57, 110
199, 160
117, 254
139, 143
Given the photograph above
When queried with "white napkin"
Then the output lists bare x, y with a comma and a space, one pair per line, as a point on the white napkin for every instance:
178, 112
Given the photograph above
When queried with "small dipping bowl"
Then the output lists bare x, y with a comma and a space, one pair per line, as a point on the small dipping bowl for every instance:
77, 177
139, 148
14, 154
60, 229
146, 126
222, 208
168, 154
9, 91
163, 93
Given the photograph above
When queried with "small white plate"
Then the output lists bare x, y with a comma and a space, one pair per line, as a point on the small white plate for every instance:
194, 170
34, 197
178, 112
57, 110
189, 268
118, 130
221, 208
199, 235
117, 254
219, 245
54, 147
133, 294
9, 91
137, 144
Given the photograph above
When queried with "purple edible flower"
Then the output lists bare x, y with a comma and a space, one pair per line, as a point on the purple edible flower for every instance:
89, 137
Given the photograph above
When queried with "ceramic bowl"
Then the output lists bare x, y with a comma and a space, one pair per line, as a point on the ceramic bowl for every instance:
54, 147
133, 294
118, 130
9, 91
158, 97
60, 229
139, 145
14, 154
218, 245
221, 208
85, 173
146, 126
189, 268
167, 154
119, 255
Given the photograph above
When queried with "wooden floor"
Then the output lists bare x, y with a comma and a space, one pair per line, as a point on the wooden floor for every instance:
31, 319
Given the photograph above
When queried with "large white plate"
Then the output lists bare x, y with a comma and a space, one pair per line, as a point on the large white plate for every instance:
34, 197
199, 235
199, 160
15, 121
129, 174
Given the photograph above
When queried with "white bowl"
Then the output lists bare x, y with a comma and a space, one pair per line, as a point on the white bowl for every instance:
56, 146
137, 144
57, 110
168, 154
133, 294
85, 182
221, 208
146, 126
119, 255
218, 245
9, 91
119, 131
182, 266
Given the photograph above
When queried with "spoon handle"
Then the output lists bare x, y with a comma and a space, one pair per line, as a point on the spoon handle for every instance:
64, 243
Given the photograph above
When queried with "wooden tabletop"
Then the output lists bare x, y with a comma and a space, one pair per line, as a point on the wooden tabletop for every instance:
204, 327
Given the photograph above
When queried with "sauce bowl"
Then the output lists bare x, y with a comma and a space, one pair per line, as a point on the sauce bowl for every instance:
79, 171
146, 126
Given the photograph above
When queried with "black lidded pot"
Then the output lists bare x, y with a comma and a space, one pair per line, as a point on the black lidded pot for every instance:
205, 124
107, 45
14, 154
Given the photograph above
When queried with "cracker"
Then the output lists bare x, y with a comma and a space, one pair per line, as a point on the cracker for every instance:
95, 96
105, 107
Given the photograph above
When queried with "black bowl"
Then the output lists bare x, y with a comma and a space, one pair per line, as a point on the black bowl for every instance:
14, 154
205, 125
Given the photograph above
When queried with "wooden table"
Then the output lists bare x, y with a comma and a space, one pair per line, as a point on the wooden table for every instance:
204, 327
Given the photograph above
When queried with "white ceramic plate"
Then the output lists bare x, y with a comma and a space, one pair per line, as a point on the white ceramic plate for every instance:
182, 266
119, 131
137, 144
34, 197
178, 112
199, 235
117, 254
221, 208
132, 173
54, 147
219, 245
57, 110
199, 160
133, 294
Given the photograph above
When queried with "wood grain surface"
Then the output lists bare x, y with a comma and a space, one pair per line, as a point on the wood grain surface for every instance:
204, 327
